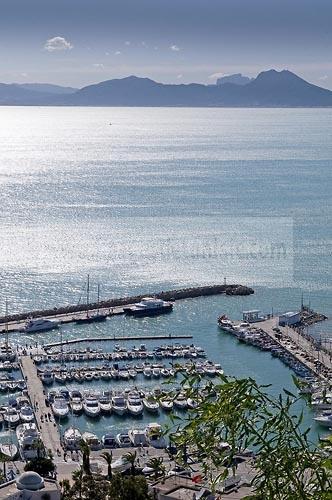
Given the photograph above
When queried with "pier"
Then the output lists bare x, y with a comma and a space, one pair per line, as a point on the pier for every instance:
68, 314
307, 352
117, 339
50, 435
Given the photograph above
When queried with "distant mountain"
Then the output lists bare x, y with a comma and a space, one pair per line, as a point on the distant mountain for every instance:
49, 88
270, 89
237, 78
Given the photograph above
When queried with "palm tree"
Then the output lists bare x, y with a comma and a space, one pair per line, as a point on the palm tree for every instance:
77, 476
4, 459
108, 457
66, 493
157, 464
85, 449
130, 457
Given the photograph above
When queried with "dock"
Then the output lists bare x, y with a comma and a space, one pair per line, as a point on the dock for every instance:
114, 306
50, 435
117, 339
307, 352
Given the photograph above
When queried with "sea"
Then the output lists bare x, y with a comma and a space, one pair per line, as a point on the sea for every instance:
152, 199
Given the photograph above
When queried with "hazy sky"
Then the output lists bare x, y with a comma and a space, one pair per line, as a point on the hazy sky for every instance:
77, 42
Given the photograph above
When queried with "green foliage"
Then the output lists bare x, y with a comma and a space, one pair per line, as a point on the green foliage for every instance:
241, 413
157, 464
131, 458
85, 449
108, 457
44, 466
128, 488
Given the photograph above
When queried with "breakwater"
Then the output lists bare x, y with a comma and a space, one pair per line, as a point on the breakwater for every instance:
184, 293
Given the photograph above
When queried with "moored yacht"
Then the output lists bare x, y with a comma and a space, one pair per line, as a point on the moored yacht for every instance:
122, 440
60, 407
11, 416
155, 436
72, 438
27, 437
26, 414
119, 404
9, 450
151, 404
109, 441
92, 440
40, 325
149, 306
137, 437
134, 404
91, 407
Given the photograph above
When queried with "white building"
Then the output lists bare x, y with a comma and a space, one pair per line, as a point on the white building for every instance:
289, 318
30, 486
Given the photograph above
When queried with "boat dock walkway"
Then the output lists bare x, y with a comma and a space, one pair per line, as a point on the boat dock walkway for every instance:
48, 430
306, 351
117, 339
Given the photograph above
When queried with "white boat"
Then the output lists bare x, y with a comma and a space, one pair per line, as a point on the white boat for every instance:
91, 407
151, 404
180, 402
192, 404
155, 436
26, 414
137, 437
122, 440
9, 450
40, 325
156, 372
72, 438
324, 420
76, 406
166, 404
119, 404
60, 407
149, 306
105, 404
120, 465
92, 440
109, 441
11, 416
147, 372
134, 404
47, 377
27, 437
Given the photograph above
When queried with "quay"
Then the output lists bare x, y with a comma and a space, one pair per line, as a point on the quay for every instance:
316, 360
68, 314
49, 432
117, 339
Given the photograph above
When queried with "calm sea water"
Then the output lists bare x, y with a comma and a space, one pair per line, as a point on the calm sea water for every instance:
152, 199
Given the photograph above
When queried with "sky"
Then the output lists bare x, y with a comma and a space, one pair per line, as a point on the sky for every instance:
79, 42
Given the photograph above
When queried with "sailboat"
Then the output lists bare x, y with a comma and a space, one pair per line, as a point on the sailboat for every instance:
95, 316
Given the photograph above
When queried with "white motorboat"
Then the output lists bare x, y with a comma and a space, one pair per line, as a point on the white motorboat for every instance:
76, 406
120, 465
47, 377
324, 420
60, 407
72, 438
26, 414
11, 416
27, 437
105, 404
119, 404
134, 404
149, 306
10, 450
122, 440
40, 325
155, 436
147, 372
92, 440
151, 404
137, 437
91, 407
166, 404
192, 404
180, 402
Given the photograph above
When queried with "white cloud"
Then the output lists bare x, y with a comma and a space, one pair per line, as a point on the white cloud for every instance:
99, 65
144, 44
323, 78
117, 53
57, 43
175, 48
127, 42
179, 76
107, 53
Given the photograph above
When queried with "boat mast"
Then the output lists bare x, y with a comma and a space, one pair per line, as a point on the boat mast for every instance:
6, 328
98, 297
87, 296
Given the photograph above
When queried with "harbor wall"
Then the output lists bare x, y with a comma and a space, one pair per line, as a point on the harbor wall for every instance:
184, 293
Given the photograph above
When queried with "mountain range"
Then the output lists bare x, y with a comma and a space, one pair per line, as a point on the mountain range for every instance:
269, 89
